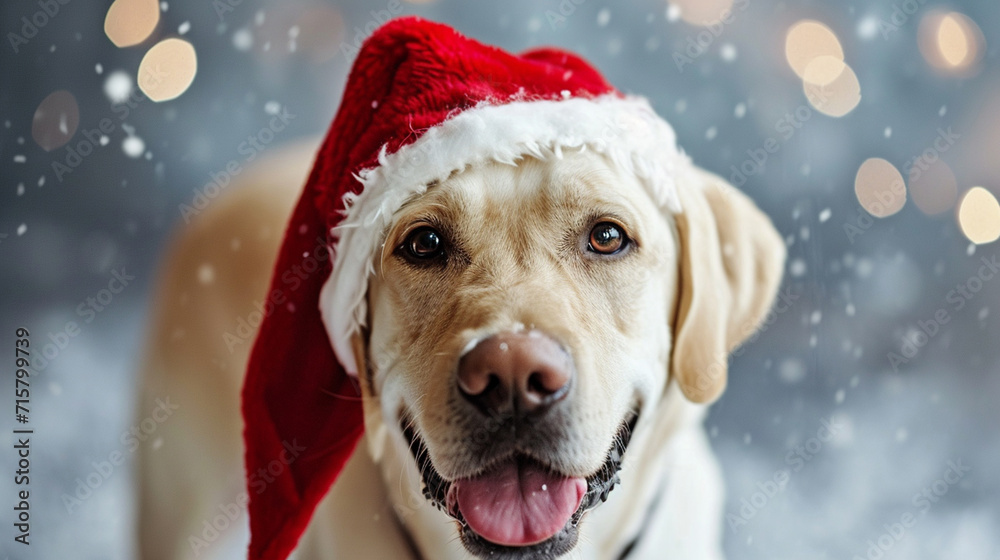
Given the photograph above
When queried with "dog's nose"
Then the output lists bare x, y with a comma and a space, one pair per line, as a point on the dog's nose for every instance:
520, 373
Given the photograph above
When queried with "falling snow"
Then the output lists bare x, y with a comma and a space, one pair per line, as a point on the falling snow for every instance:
792, 370
118, 86
603, 17
868, 27
133, 146
206, 274
243, 39
797, 268
727, 52
673, 12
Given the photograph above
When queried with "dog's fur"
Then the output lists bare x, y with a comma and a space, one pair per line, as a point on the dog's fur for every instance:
648, 330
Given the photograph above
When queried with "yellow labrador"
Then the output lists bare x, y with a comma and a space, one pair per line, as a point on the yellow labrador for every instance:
588, 330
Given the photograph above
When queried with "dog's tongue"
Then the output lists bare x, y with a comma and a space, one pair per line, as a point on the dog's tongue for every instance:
518, 502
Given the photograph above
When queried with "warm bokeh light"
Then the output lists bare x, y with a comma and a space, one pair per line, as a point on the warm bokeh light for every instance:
130, 22
808, 40
979, 216
880, 188
55, 120
824, 70
702, 12
167, 69
831, 86
933, 186
951, 42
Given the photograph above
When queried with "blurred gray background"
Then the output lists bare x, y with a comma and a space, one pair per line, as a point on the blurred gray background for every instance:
854, 299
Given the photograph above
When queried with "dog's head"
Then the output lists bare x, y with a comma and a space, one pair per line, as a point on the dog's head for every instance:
521, 317
524, 319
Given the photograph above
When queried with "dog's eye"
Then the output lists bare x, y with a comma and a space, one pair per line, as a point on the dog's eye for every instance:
607, 238
424, 243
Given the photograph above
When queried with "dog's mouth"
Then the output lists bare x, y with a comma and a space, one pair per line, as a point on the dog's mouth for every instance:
520, 508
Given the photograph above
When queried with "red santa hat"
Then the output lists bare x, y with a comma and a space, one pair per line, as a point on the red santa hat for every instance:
421, 102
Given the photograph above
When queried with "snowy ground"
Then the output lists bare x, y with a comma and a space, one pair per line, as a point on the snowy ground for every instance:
902, 433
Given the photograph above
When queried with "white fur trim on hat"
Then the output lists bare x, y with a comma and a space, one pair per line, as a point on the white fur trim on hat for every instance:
626, 130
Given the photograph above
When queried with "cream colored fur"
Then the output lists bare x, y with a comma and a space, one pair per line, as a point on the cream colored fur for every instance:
654, 327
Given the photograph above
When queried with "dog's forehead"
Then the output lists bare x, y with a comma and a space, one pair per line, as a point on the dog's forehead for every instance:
576, 182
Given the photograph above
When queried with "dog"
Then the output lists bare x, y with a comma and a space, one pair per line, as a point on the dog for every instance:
541, 338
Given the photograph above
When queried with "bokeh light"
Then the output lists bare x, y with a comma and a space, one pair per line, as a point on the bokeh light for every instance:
168, 69
808, 40
880, 188
130, 22
831, 86
55, 120
979, 216
951, 42
702, 12
933, 186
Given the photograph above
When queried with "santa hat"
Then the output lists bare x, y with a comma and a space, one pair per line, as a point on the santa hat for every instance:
421, 102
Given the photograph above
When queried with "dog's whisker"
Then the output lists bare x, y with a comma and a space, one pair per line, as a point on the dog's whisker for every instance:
339, 396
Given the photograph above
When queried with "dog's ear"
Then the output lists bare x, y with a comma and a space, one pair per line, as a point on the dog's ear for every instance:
731, 263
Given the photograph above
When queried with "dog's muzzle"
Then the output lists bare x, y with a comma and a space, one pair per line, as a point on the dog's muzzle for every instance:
519, 508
